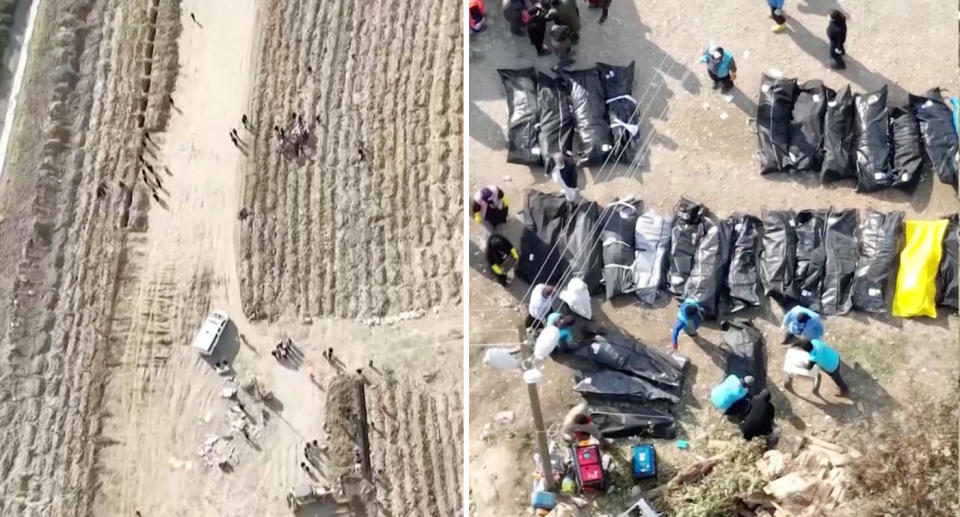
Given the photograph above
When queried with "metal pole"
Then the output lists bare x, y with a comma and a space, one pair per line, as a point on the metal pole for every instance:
545, 466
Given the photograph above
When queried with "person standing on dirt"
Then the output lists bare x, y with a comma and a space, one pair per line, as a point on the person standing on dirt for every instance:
837, 34
535, 17
759, 418
541, 300
601, 4
499, 251
565, 170
688, 320
565, 12
721, 68
490, 207
828, 360
800, 322
776, 13
476, 17
562, 45
513, 12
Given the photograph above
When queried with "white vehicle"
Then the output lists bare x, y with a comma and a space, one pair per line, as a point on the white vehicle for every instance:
210, 332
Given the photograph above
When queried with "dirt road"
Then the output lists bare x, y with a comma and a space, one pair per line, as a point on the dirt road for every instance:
103, 405
702, 147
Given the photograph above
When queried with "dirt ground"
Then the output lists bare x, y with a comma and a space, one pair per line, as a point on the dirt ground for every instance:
702, 147
104, 407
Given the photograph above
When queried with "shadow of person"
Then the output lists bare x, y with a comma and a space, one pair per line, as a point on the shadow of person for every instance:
485, 130
821, 7
855, 72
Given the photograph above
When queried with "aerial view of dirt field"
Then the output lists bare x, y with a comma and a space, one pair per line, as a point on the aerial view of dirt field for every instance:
701, 143
294, 165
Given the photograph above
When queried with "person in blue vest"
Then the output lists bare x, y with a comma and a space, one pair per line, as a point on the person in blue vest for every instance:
828, 360
721, 68
563, 324
801, 323
688, 320
776, 13
730, 392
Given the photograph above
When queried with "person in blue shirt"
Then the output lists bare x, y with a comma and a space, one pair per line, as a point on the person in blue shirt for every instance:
721, 68
688, 320
563, 324
800, 322
776, 13
828, 360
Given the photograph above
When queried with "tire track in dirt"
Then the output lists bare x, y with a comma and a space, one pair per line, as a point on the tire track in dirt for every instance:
333, 234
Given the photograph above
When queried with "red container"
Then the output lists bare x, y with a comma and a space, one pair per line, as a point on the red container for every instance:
589, 455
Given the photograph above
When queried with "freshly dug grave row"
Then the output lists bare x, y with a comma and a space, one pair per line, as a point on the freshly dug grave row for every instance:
88, 74
367, 222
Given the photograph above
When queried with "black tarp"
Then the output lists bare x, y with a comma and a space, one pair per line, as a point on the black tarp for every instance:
593, 136
907, 149
840, 240
708, 277
556, 119
560, 237
632, 357
778, 258
684, 237
743, 277
622, 108
601, 385
811, 257
947, 289
744, 345
939, 135
617, 237
873, 141
652, 246
879, 244
628, 420
774, 114
806, 130
523, 115
839, 138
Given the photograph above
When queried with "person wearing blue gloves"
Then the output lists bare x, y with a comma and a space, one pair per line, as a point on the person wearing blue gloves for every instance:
688, 320
828, 360
721, 68
801, 322
776, 12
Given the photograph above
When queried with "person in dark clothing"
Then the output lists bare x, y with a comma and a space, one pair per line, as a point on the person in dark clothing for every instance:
759, 418
535, 18
476, 16
601, 4
489, 207
837, 33
565, 12
499, 251
513, 12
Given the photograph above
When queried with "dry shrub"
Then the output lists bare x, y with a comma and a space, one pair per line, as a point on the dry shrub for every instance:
909, 466
716, 494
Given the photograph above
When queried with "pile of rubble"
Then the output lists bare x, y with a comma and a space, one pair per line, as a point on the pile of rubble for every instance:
806, 480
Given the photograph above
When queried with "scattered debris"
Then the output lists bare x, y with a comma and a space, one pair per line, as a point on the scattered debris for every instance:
504, 417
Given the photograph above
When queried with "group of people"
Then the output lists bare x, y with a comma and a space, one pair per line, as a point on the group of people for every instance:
534, 17
283, 350
296, 138
722, 67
